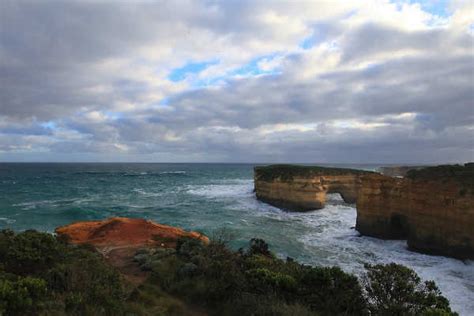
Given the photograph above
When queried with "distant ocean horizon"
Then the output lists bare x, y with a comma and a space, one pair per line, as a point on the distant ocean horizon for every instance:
327, 164
206, 197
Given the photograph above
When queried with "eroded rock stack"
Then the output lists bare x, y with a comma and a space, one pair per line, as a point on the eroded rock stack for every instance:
433, 208
304, 188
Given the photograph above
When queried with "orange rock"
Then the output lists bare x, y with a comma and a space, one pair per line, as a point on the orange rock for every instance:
121, 231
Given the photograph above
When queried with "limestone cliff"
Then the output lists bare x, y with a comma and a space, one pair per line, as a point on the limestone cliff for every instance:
304, 188
433, 208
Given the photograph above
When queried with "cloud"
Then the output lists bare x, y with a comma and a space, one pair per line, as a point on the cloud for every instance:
236, 81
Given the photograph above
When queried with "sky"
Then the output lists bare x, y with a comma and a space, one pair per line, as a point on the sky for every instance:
237, 81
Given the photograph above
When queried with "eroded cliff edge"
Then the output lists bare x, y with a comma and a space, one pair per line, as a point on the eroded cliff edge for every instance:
304, 188
433, 208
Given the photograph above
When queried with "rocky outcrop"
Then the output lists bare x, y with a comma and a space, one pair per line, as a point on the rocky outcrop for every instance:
118, 239
433, 208
121, 231
304, 188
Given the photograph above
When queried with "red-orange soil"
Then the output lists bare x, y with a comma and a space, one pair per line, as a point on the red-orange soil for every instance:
118, 238
121, 231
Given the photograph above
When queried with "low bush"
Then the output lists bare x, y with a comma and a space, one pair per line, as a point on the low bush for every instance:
41, 275
394, 289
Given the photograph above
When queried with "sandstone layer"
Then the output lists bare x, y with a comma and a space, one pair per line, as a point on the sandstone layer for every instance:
433, 208
304, 188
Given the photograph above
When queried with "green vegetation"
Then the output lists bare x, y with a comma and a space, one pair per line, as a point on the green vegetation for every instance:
465, 171
463, 174
397, 290
287, 172
41, 275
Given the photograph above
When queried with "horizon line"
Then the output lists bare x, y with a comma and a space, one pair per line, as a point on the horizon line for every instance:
221, 162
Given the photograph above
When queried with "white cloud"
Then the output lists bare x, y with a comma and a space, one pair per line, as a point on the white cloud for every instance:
377, 74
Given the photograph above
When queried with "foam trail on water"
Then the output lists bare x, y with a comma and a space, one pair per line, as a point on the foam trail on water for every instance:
225, 189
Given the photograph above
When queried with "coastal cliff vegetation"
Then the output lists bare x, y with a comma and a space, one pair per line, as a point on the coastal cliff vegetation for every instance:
286, 172
41, 274
463, 174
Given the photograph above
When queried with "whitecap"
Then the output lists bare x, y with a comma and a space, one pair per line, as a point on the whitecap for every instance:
7, 220
146, 193
173, 172
223, 191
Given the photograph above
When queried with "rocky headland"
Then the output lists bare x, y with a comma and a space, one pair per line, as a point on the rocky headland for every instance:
119, 238
123, 231
432, 208
304, 188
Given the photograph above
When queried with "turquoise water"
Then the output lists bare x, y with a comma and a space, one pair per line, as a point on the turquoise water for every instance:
207, 197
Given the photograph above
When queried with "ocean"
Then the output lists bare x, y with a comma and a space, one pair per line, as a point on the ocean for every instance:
207, 198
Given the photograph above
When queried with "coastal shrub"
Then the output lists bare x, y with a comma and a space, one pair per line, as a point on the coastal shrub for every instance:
222, 236
259, 246
87, 280
262, 305
25, 295
30, 252
463, 174
331, 291
286, 172
219, 279
42, 275
265, 281
255, 281
394, 289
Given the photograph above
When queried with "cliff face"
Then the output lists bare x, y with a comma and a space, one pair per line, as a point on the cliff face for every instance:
432, 208
301, 188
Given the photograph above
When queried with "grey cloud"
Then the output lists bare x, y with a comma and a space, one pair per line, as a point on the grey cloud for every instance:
50, 51
434, 85
372, 38
50, 65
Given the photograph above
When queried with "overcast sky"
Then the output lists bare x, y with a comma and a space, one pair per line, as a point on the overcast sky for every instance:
237, 81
